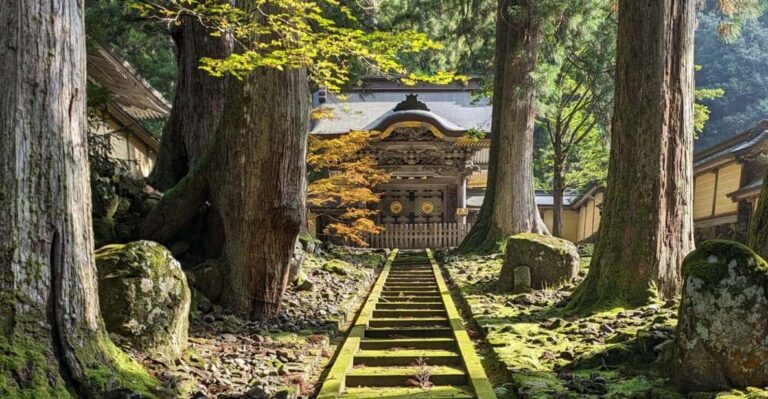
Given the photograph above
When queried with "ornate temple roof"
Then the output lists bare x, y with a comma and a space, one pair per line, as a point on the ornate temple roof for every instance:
371, 105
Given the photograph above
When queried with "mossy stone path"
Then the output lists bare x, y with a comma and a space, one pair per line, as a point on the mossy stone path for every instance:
408, 341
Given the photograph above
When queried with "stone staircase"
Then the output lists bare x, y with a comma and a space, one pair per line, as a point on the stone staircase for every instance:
408, 341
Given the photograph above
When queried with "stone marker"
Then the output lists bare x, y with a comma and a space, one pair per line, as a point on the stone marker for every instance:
722, 333
551, 260
144, 297
522, 279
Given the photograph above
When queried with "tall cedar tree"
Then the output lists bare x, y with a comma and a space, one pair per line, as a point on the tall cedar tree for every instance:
252, 172
52, 336
647, 225
510, 205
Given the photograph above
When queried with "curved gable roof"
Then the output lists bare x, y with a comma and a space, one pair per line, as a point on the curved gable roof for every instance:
451, 107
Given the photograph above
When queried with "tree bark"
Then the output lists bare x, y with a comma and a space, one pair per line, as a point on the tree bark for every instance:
49, 310
647, 224
253, 173
260, 183
197, 106
510, 204
558, 185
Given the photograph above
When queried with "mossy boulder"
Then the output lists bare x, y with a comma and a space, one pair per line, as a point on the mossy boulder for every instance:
144, 297
551, 260
722, 333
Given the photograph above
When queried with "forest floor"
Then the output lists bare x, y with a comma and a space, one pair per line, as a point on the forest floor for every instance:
541, 351
232, 358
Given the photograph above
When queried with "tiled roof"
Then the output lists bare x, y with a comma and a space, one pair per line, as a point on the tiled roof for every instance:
128, 91
453, 105
735, 145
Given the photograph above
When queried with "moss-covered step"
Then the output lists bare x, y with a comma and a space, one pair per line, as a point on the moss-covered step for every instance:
409, 322
432, 292
393, 313
442, 392
410, 305
411, 272
397, 344
409, 298
411, 332
409, 288
404, 376
407, 357
411, 281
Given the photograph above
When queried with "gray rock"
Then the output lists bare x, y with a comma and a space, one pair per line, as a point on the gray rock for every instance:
306, 285
722, 334
144, 297
257, 393
551, 260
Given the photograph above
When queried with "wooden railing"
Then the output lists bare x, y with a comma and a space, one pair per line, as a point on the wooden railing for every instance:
418, 236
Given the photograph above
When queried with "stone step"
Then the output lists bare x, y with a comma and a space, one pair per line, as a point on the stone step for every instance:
401, 376
409, 298
440, 392
410, 280
409, 322
409, 332
408, 343
407, 357
390, 293
416, 276
410, 305
406, 272
394, 313
409, 288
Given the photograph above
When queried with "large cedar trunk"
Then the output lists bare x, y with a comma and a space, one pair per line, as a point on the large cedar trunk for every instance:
647, 224
197, 106
259, 185
49, 310
510, 205
253, 175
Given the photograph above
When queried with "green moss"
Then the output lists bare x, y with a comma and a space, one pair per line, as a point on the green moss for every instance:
110, 368
710, 261
27, 370
558, 244
335, 266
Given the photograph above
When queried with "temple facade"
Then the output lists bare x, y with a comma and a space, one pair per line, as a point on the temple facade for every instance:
423, 143
434, 142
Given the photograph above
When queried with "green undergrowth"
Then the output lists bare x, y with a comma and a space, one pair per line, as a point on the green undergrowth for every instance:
548, 351
29, 370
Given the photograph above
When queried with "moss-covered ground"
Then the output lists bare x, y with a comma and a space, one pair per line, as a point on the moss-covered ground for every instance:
546, 351
232, 357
